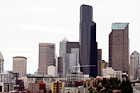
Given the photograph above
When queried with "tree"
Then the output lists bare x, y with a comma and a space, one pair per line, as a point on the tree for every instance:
104, 81
45, 90
50, 91
126, 87
90, 90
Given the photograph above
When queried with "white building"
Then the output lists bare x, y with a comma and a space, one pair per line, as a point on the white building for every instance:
6, 77
7, 81
52, 70
1, 63
111, 73
6, 87
79, 89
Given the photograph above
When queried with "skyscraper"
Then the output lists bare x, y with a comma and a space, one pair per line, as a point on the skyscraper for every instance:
1, 63
46, 57
20, 65
88, 44
134, 61
119, 47
69, 51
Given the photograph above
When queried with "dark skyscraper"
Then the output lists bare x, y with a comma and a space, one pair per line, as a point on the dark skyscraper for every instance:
119, 47
88, 44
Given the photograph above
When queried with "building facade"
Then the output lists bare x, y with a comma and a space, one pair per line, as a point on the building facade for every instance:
119, 47
46, 57
1, 63
88, 44
56, 86
99, 61
20, 65
52, 70
60, 67
134, 61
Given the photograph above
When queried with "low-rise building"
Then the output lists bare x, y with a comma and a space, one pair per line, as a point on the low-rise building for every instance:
37, 87
34, 78
56, 86
6, 87
75, 76
109, 72
79, 89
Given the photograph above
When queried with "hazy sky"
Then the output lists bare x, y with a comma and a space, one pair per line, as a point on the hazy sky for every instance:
26, 23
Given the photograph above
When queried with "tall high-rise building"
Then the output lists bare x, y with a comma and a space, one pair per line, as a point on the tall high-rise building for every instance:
69, 51
1, 63
119, 47
134, 61
20, 65
46, 57
99, 61
88, 44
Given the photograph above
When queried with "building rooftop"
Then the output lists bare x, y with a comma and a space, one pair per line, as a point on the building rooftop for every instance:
20, 57
86, 5
119, 26
65, 40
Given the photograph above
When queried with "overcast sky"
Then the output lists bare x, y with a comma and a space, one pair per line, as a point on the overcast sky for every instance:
26, 23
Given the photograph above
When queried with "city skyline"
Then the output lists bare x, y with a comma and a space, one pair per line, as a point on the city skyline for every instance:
23, 28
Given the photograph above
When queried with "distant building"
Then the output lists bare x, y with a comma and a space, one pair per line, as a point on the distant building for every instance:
99, 61
46, 57
87, 41
138, 71
19, 85
79, 89
75, 76
92, 82
52, 70
70, 60
60, 67
134, 61
1, 63
6, 87
69, 51
63, 47
37, 87
20, 65
56, 86
104, 64
119, 47
111, 73
7, 81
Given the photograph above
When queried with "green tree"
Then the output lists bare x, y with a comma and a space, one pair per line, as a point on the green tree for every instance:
126, 87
